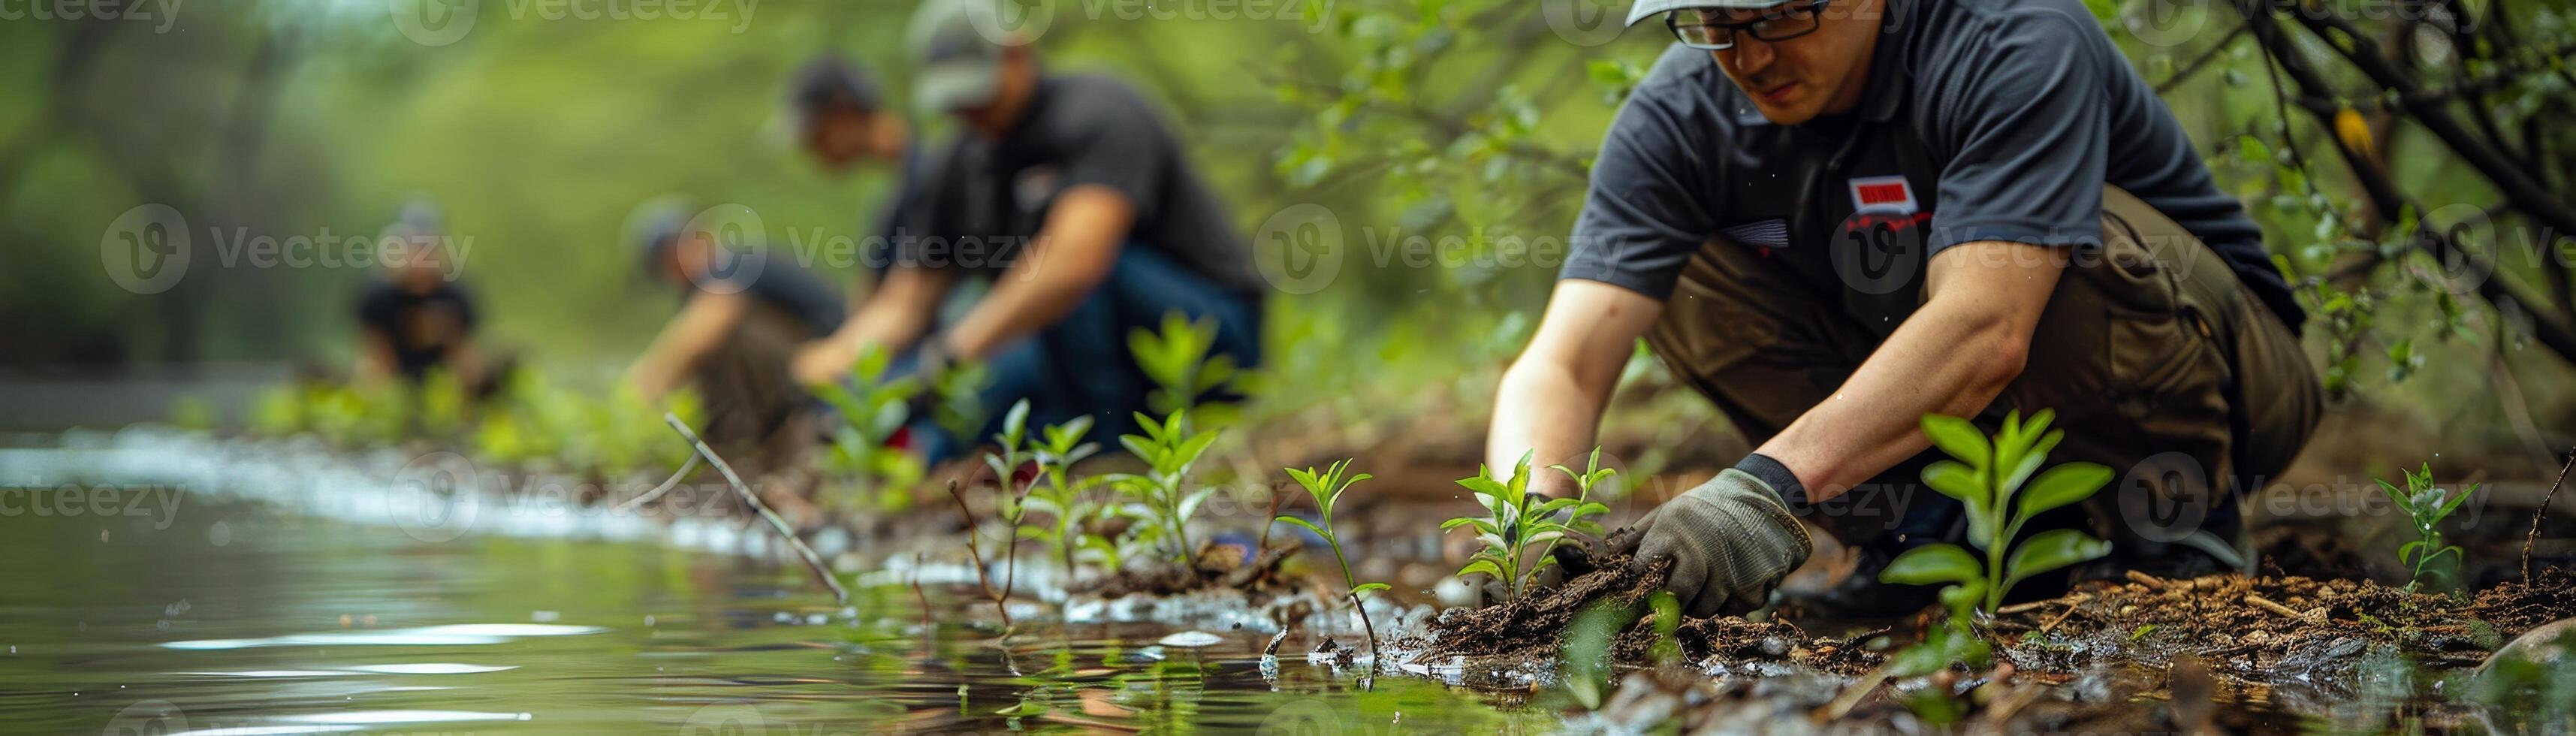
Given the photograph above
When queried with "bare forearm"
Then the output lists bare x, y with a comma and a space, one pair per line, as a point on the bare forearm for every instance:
1024, 300
1544, 411
1932, 364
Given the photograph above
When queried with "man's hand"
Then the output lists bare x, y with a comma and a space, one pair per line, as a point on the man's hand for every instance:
820, 362
1731, 540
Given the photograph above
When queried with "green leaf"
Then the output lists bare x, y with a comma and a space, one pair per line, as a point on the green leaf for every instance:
1959, 438
2062, 485
1484, 565
1956, 480
1310, 526
2050, 550
1931, 564
1369, 588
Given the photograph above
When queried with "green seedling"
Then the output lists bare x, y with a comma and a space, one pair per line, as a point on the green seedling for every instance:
872, 407
1176, 358
1012, 507
1157, 500
1993, 479
1327, 487
1058, 493
1514, 525
2426, 505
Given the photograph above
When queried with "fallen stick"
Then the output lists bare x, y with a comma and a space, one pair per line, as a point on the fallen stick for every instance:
2061, 618
2258, 601
674, 482
2026, 607
812, 561
2150, 581
2543, 512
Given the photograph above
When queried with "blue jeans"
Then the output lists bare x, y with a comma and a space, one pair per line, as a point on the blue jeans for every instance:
1081, 364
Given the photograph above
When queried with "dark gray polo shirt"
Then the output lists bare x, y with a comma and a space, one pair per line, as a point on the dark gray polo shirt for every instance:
1991, 120
987, 198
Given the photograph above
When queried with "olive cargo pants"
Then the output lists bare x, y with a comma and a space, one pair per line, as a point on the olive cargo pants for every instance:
2157, 360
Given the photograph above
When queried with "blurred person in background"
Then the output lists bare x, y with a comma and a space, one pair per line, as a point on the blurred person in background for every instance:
418, 317
741, 318
844, 122
1073, 200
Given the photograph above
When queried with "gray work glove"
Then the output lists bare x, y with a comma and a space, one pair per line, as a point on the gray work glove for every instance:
1730, 540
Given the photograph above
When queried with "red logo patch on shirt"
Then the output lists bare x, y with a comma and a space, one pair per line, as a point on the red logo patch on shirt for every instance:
1883, 195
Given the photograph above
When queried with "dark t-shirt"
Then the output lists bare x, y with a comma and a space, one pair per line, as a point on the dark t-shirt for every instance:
422, 328
988, 198
796, 293
1982, 121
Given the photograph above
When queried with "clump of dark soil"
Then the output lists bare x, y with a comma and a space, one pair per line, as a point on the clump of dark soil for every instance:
1215, 566
1533, 629
2287, 626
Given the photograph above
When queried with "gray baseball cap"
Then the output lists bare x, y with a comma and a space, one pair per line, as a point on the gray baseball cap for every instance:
1648, 8
958, 66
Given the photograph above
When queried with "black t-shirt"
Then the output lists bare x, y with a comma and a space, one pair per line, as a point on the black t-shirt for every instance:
987, 198
422, 328
792, 291
1982, 121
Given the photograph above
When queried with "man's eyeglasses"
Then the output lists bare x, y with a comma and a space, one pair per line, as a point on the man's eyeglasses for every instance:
1701, 28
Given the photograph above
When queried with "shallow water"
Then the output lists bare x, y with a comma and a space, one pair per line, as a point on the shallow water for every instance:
242, 617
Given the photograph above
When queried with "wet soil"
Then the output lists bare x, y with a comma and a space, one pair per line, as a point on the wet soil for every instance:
2276, 628
1533, 630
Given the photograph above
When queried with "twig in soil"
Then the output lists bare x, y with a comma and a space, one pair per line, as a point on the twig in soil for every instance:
1272, 650
674, 482
812, 561
2543, 512
976, 550
2061, 618
2258, 601
2020, 608
2150, 581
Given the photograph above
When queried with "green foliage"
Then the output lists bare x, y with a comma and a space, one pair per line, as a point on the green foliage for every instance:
1994, 480
1059, 494
1326, 488
2426, 505
872, 408
1587, 651
193, 412
1158, 500
1176, 358
1513, 524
